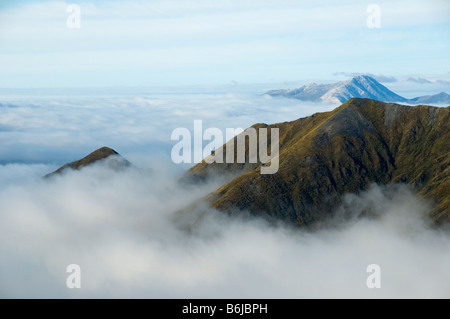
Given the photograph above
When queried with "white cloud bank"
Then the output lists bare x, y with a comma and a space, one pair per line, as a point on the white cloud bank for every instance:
58, 130
123, 231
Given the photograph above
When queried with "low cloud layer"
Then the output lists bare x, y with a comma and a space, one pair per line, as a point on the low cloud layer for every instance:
56, 130
124, 231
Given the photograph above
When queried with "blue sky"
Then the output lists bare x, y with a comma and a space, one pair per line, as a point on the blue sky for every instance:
172, 42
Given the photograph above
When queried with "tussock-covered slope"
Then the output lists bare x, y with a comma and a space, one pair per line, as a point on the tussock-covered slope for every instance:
328, 154
98, 155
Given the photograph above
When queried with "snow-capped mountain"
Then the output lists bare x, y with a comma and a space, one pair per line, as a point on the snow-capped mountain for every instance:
310, 92
361, 86
440, 98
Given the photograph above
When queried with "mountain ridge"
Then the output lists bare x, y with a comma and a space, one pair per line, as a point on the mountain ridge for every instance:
96, 156
328, 154
361, 86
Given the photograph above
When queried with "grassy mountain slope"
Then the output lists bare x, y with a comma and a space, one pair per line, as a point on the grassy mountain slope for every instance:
98, 155
328, 154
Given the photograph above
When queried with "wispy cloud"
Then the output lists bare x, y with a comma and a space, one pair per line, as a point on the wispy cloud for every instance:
419, 80
443, 82
378, 77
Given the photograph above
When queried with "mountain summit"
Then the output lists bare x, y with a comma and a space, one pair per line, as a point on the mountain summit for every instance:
103, 153
326, 155
361, 86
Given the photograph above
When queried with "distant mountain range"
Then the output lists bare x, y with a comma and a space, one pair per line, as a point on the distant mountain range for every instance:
328, 154
361, 86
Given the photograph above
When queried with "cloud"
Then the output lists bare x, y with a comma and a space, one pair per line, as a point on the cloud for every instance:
379, 77
419, 80
124, 231
129, 238
385, 78
57, 130
443, 82
16, 173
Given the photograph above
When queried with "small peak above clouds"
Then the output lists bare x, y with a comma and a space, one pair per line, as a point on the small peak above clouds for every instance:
103, 153
362, 78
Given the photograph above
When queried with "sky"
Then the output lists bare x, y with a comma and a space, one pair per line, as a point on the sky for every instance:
176, 43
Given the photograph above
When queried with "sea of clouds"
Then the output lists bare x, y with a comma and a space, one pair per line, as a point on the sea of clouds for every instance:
126, 232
